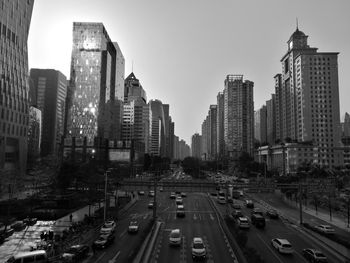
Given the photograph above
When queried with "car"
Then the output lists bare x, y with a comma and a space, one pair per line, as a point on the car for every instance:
282, 245
133, 227
249, 204
172, 195
175, 237
75, 253
150, 204
108, 227
326, 229
151, 193
272, 213
183, 194
30, 221
257, 211
198, 249
221, 200
237, 213
141, 192
179, 201
236, 206
313, 255
230, 200
243, 222
258, 220
104, 240
161, 189
180, 211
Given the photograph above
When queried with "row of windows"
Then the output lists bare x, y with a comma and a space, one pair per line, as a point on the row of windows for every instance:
14, 117
14, 130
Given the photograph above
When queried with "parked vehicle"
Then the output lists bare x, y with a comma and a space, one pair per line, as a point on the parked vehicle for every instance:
313, 255
76, 253
326, 229
282, 245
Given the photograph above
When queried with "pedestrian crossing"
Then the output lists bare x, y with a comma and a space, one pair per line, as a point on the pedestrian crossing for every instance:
171, 215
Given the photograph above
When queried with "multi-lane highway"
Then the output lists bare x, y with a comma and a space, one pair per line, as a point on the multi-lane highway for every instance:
200, 221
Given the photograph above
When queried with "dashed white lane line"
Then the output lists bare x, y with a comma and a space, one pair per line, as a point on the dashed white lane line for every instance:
100, 257
267, 245
123, 233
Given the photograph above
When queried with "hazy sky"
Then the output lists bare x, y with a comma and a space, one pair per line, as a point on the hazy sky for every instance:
182, 50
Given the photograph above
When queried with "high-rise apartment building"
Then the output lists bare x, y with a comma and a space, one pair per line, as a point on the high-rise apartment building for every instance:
157, 128
205, 135
271, 120
98, 86
196, 145
48, 91
279, 107
310, 98
220, 126
212, 114
260, 125
238, 116
15, 17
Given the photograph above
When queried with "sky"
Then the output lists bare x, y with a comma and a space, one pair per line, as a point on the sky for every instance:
182, 50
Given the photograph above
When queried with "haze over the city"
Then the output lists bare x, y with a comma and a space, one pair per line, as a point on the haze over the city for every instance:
181, 51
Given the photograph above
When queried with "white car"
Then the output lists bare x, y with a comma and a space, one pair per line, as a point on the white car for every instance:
198, 248
133, 227
175, 237
108, 227
179, 201
282, 245
221, 200
327, 229
243, 222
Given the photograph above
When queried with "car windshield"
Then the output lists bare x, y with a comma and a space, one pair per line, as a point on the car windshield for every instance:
198, 245
319, 255
287, 245
175, 235
102, 238
73, 250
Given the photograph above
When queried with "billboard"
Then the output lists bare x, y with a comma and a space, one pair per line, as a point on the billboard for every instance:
119, 155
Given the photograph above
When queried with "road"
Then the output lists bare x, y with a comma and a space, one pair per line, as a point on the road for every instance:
200, 221
260, 239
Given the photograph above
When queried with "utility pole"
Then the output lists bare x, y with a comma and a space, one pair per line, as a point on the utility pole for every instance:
300, 204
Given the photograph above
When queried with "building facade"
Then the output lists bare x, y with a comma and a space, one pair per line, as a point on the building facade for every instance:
260, 125
34, 134
238, 116
220, 150
271, 120
157, 128
48, 91
196, 145
15, 17
94, 65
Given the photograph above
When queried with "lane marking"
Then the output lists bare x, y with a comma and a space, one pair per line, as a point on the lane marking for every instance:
269, 247
116, 256
123, 233
102, 255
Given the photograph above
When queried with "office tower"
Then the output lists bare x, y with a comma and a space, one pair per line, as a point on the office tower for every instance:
279, 107
120, 73
220, 125
346, 125
15, 17
196, 145
213, 131
157, 128
166, 126
260, 125
34, 134
176, 147
271, 120
184, 150
238, 116
135, 124
171, 138
204, 148
311, 98
98, 88
48, 91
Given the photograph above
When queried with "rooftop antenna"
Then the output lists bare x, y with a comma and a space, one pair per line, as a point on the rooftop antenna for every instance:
297, 24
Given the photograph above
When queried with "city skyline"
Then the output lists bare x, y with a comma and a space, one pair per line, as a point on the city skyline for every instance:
167, 53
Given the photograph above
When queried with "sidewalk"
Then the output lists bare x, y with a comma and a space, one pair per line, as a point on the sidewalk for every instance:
335, 220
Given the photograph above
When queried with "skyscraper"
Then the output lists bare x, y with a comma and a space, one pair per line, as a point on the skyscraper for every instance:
98, 83
260, 125
213, 131
15, 17
48, 91
238, 116
271, 120
196, 145
157, 128
310, 98
220, 125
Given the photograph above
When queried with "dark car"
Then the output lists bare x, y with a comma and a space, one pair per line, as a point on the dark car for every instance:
104, 241
258, 220
257, 211
249, 203
18, 226
272, 214
75, 253
237, 213
313, 255
236, 206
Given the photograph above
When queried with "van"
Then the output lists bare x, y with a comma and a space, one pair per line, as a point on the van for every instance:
37, 256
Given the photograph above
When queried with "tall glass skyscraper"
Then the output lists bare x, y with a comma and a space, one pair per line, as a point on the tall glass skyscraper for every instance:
95, 61
15, 17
